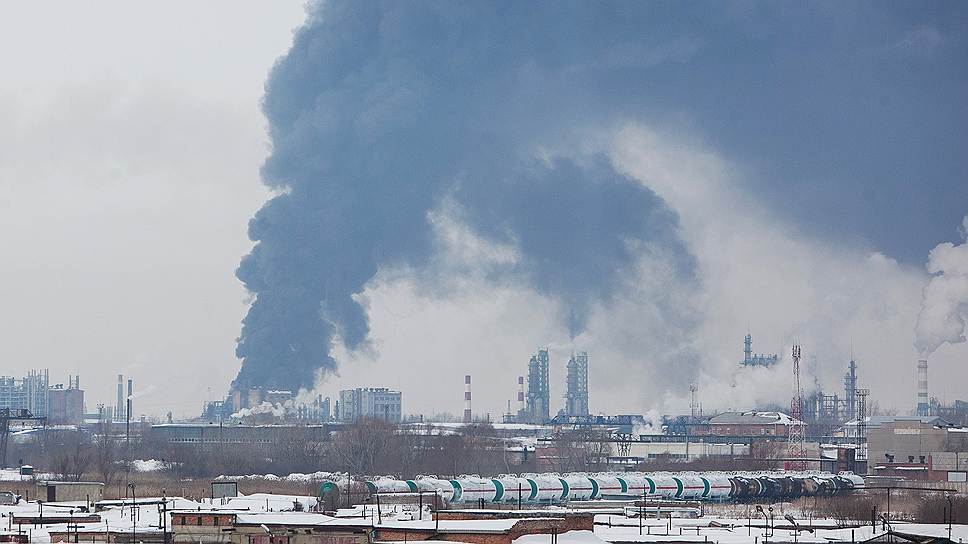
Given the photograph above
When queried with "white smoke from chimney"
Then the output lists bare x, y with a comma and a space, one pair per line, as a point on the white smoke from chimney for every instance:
944, 308
277, 410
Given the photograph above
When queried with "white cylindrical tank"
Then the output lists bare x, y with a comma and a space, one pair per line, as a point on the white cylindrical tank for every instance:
549, 487
718, 484
509, 486
609, 485
665, 486
387, 485
691, 486
473, 489
442, 488
580, 487
638, 483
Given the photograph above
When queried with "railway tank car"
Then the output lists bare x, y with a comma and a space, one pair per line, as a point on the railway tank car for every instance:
610, 486
474, 489
579, 487
718, 486
689, 486
551, 488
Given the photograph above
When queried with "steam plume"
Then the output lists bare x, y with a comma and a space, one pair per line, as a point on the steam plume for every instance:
944, 308
384, 112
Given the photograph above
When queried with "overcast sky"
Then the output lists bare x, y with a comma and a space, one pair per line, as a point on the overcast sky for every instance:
811, 157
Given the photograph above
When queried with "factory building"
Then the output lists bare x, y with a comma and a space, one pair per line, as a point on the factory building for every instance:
27, 393
66, 406
576, 398
247, 437
370, 402
539, 390
917, 447
756, 359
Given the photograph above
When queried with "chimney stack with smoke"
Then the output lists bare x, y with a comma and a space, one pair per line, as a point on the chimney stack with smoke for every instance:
467, 398
923, 409
520, 397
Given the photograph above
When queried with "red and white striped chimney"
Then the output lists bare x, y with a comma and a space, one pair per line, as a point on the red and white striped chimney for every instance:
520, 393
467, 398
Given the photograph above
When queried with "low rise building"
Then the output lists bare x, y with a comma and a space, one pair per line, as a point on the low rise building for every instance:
761, 424
917, 447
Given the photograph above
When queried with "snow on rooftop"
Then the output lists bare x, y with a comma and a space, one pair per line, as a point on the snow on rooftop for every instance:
570, 537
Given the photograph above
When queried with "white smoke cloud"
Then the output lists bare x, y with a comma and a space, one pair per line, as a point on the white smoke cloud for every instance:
944, 309
755, 270
276, 410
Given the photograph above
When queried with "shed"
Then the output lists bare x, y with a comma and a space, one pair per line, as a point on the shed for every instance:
70, 491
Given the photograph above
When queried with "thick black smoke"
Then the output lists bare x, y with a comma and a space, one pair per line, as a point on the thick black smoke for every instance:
383, 111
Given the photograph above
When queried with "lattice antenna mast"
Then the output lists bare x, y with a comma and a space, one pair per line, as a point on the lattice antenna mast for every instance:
797, 449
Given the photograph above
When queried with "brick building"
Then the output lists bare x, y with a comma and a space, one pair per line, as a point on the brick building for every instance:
759, 424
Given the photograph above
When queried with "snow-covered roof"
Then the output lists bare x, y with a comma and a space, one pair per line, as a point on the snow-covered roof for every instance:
751, 418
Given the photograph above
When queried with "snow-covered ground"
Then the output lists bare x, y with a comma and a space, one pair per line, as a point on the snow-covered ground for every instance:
608, 528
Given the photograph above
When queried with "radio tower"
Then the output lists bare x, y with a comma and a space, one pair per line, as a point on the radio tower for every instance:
796, 437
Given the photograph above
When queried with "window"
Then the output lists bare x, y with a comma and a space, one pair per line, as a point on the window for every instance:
910, 458
182, 521
198, 520
217, 520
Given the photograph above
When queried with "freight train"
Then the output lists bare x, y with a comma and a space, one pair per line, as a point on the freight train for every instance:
551, 488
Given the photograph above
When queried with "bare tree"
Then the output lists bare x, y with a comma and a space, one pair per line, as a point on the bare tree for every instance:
71, 457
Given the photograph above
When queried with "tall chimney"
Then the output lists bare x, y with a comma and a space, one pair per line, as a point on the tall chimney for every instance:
130, 397
520, 394
467, 398
923, 407
119, 407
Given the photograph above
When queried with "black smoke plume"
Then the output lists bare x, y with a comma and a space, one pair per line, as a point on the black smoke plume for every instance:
382, 111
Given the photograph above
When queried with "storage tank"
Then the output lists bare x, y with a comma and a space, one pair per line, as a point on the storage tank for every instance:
665, 486
691, 486
443, 488
609, 485
638, 483
510, 486
471, 489
549, 487
580, 487
854, 479
387, 485
718, 486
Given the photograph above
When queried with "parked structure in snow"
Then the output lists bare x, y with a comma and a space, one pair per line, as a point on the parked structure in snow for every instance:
539, 392
576, 397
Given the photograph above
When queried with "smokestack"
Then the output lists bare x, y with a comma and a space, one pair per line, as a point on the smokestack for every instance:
467, 398
119, 407
923, 408
130, 394
520, 394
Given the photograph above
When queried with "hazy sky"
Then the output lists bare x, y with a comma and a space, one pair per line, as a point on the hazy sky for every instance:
809, 158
